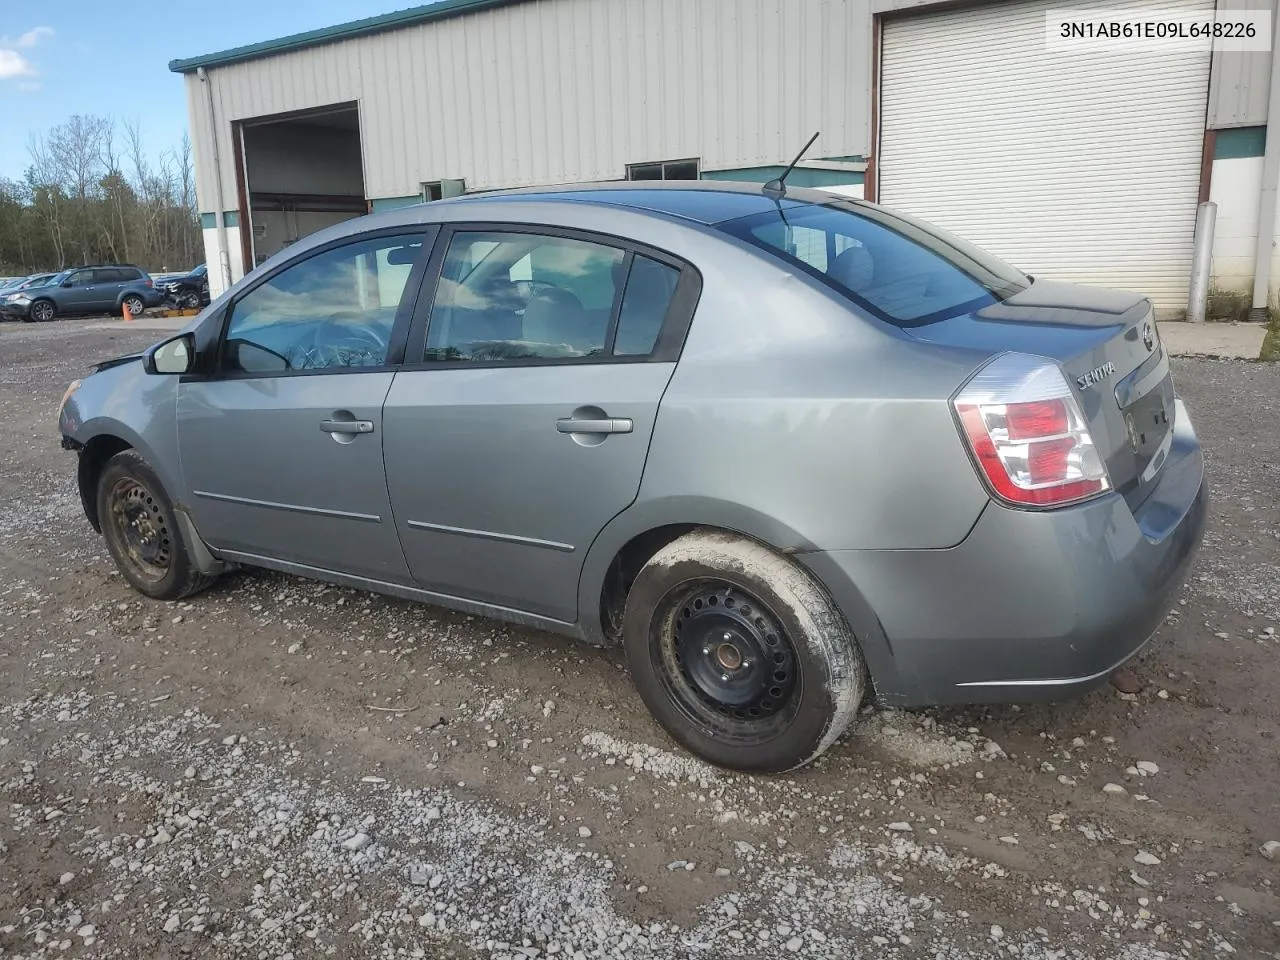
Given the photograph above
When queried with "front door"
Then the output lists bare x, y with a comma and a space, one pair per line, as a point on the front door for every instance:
282, 446
78, 297
524, 427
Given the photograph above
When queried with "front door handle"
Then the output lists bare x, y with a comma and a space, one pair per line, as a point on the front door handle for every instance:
347, 426
604, 425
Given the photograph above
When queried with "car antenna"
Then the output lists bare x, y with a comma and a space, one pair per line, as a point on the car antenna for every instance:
777, 187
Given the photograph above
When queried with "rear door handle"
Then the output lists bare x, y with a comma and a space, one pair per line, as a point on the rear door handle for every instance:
346, 426
606, 425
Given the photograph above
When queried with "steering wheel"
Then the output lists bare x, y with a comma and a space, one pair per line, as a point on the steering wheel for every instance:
339, 342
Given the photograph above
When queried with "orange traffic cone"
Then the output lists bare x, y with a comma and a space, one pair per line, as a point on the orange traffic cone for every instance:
128, 314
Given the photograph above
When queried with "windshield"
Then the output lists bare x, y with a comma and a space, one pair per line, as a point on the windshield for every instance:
899, 269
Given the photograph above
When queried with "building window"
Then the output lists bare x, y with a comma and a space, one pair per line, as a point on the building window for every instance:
443, 189
664, 170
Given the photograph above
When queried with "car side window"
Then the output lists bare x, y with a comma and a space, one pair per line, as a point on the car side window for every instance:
81, 278
334, 309
651, 286
109, 275
523, 296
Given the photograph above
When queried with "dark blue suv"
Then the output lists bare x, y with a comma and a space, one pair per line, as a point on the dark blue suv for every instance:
96, 289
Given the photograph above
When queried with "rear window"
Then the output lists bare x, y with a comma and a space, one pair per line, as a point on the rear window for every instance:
899, 269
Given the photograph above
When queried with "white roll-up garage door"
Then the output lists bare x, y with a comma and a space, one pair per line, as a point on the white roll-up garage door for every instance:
1076, 165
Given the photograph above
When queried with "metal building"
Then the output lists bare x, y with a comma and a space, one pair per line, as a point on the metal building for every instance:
1082, 166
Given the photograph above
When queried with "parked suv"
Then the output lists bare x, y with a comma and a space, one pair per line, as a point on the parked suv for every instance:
96, 289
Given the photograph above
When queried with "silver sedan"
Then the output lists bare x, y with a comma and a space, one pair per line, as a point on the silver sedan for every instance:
792, 451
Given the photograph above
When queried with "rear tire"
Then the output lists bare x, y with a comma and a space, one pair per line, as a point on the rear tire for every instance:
135, 303
142, 533
740, 654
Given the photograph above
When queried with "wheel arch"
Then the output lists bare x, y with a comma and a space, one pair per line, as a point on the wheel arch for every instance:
636, 534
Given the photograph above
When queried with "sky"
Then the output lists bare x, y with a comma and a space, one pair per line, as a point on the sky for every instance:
111, 58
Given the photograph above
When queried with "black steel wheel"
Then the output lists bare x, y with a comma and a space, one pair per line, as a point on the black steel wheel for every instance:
740, 654
726, 659
138, 521
141, 530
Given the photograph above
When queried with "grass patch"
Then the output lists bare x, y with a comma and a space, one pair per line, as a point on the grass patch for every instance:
1271, 345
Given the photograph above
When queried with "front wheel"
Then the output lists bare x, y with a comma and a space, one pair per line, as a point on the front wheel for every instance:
189, 299
740, 654
42, 311
141, 531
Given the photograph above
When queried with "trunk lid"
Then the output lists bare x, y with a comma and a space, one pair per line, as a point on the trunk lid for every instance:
1108, 345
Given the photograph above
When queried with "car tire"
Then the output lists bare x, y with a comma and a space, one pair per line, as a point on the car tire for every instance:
41, 311
142, 533
136, 304
740, 654
189, 300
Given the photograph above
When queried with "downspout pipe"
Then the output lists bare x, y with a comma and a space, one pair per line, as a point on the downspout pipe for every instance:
220, 216
1270, 176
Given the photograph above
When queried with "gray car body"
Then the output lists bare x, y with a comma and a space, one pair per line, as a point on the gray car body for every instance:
96, 297
789, 418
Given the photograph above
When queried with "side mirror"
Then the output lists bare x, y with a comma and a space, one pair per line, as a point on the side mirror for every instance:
176, 355
67, 283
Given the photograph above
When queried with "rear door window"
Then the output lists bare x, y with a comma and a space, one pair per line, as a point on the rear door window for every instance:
899, 269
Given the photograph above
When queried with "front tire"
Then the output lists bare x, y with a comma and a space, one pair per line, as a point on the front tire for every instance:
42, 311
740, 654
142, 533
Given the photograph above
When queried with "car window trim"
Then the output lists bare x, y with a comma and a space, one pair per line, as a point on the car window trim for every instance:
399, 327
671, 337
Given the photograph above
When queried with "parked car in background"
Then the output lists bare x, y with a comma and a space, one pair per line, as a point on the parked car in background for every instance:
95, 289
790, 450
188, 290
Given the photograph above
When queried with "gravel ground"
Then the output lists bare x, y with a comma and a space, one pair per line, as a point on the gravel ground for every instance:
280, 769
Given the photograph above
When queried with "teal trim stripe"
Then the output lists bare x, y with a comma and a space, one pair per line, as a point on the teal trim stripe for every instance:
800, 176
209, 221
393, 203
343, 31
1239, 142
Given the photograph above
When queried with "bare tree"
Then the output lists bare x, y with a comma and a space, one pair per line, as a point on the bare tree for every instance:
46, 191
76, 146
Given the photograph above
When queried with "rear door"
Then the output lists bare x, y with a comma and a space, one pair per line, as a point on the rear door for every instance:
520, 423
108, 283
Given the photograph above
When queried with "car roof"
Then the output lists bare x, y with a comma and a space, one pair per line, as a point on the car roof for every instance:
701, 201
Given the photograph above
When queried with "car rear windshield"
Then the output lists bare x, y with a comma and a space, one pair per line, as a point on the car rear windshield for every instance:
899, 269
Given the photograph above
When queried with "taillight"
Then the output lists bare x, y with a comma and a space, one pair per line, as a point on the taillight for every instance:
1028, 435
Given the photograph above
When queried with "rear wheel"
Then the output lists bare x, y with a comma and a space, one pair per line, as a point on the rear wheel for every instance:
42, 311
141, 532
135, 304
740, 654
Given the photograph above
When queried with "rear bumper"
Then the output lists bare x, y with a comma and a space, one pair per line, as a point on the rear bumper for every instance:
1030, 606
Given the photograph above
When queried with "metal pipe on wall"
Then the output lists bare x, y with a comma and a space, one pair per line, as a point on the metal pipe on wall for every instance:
220, 215
1202, 261
1270, 176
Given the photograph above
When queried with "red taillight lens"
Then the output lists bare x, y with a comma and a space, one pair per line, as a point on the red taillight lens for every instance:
1039, 418
1028, 435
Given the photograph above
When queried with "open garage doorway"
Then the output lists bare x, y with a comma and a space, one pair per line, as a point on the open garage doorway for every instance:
298, 173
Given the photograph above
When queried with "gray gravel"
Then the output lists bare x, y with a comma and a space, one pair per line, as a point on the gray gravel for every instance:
211, 778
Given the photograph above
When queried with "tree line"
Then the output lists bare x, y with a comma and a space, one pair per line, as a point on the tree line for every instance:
92, 194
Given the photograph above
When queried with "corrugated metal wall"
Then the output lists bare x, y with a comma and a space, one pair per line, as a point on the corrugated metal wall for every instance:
555, 91
1074, 165
1239, 82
